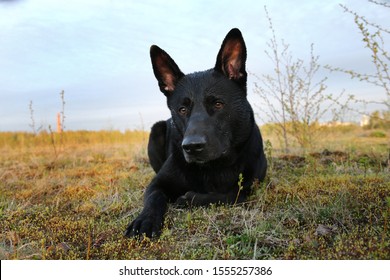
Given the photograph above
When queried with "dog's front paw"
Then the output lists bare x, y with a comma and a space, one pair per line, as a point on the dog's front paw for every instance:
144, 225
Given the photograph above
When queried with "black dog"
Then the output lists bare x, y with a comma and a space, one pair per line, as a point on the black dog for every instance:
210, 141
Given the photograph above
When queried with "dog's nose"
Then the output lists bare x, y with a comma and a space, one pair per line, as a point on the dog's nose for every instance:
193, 145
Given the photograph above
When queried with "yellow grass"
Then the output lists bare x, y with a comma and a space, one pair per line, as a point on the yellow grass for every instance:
71, 196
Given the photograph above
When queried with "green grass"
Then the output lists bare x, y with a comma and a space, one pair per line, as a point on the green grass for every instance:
72, 197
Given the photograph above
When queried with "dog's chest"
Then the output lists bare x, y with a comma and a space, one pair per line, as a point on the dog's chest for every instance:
215, 180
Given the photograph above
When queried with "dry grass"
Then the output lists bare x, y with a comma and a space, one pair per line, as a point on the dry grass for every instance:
73, 200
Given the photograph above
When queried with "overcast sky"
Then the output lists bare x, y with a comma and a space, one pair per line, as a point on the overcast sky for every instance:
97, 51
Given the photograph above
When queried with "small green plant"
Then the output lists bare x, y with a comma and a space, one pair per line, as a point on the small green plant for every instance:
268, 150
378, 134
364, 162
240, 187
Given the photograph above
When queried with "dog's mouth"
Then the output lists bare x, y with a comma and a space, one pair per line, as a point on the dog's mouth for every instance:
194, 159
199, 162
204, 158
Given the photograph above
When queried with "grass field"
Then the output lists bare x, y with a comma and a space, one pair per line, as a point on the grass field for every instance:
71, 197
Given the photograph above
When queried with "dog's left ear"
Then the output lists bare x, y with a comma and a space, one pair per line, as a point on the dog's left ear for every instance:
232, 57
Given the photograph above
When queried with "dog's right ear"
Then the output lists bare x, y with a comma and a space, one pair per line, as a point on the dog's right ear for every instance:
165, 69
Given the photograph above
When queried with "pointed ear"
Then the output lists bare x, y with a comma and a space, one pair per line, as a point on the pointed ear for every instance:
232, 57
165, 69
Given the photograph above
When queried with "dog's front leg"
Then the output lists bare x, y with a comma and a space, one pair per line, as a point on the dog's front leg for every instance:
150, 221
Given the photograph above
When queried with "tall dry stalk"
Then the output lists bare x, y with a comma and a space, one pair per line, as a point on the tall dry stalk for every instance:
33, 123
62, 113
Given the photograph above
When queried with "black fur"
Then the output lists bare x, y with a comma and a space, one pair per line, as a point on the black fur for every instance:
210, 140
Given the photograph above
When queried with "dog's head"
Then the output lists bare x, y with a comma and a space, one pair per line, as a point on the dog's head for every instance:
208, 108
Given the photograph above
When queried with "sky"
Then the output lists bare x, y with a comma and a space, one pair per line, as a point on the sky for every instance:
97, 52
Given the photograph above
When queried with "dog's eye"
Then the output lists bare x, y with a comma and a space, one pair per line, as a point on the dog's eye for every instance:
218, 105
183, 111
